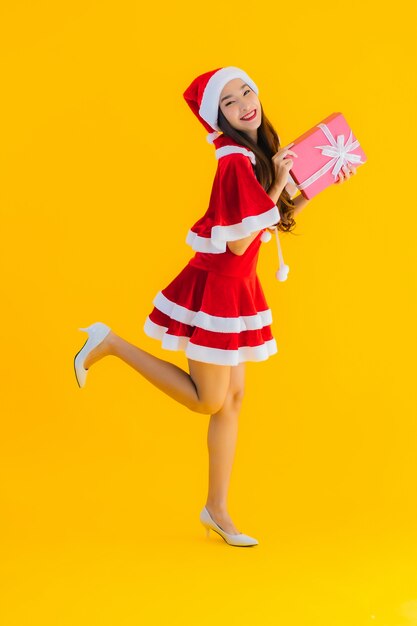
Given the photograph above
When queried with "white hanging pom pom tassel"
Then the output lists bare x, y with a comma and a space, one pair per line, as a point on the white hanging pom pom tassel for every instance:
282, 273
283, 269
266, 236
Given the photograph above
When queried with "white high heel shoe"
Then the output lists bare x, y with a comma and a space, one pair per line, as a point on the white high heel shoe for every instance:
96, 333
233, 540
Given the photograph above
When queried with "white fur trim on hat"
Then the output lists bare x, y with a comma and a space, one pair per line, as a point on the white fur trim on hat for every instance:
211, 95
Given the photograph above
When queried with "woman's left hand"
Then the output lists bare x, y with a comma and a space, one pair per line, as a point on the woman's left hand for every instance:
345, 175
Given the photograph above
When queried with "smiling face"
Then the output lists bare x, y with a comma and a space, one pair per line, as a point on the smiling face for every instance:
237, 100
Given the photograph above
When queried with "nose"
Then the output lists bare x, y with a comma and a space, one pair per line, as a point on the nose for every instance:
246, 110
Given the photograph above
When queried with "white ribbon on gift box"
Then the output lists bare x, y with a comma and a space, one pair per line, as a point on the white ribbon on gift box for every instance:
341, 155
338, 150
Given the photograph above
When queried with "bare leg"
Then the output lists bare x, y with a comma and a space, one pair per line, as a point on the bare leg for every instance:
203, 390
221, 441
209, 388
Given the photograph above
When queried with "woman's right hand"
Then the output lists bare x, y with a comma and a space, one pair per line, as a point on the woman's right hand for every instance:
282, 164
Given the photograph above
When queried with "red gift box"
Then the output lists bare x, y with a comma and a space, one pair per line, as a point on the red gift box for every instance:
322, 151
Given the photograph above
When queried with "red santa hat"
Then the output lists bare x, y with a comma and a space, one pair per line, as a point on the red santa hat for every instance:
203, 95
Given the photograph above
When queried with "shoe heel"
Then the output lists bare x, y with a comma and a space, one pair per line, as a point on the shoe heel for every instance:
99, 331
96, 328
87, 329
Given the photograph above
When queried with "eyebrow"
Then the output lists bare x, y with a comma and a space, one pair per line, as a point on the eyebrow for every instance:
224, 97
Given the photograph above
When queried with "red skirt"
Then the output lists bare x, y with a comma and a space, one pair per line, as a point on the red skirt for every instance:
215, 310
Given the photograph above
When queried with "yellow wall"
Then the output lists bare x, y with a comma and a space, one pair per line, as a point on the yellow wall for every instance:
103, 170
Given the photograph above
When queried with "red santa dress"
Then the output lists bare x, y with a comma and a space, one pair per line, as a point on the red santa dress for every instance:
215, 309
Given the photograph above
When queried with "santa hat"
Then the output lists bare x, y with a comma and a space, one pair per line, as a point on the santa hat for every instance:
203, 96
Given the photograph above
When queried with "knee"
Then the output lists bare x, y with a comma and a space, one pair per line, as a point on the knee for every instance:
208, 407
233, 401
208, 404
236, 398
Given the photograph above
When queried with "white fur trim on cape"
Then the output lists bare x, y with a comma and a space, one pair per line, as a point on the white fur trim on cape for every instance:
202, 244
220, 235
214, 323
247, 226
211, 95
210, 355
225, 150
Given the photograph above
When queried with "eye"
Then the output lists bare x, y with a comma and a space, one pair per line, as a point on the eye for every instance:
245, 92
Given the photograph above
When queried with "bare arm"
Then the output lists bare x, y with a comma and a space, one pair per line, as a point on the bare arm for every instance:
300, 202
240, 246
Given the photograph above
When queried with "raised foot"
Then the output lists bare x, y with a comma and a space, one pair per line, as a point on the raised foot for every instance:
103, 349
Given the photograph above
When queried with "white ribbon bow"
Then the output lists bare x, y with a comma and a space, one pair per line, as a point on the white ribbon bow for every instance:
338, 150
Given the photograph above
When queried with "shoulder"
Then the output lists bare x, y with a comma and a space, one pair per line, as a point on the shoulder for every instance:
230, 152
235, 165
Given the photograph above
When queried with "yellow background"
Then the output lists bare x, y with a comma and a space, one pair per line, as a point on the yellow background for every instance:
103, 170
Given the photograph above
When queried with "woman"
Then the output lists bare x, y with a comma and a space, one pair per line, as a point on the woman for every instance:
215, 309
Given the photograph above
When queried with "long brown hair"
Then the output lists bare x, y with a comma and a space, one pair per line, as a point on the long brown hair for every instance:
268, 144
